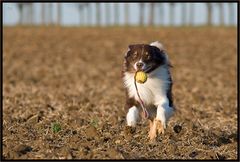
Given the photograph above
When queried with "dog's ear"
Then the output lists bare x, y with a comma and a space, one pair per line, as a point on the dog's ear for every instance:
127, 52
162, 52
158, 45
160, 55
130, 47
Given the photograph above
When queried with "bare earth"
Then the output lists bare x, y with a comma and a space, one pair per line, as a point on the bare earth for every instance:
63, 94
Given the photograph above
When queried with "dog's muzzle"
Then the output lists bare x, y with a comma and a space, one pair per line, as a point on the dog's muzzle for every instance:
139, 66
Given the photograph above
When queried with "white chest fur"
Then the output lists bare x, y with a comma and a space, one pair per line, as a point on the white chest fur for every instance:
152, 90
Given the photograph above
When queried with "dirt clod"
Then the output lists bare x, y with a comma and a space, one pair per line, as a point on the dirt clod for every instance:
193, 154
91, 132
177, 128
22, 149
220, 157
34, 119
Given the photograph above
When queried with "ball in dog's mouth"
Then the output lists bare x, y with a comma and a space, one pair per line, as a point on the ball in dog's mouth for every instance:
140, 77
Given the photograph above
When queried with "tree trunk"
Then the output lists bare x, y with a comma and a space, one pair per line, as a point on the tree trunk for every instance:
50, 14
59, 13
172, 13
209, 14
151, 14
231, 13
29, 13
108, 14
81, 14
84, 18
116, 14
141, 14
43, 13
184, 13
47, 13
161, 13
89, 13
20, 6
221, 14
126, 7
98, 16
191, 18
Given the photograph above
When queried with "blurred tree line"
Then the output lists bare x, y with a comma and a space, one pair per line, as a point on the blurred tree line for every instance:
155, 15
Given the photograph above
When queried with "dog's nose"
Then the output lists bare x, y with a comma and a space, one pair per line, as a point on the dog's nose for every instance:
139, 64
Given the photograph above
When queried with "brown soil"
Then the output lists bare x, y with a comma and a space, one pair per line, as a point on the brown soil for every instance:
63, 95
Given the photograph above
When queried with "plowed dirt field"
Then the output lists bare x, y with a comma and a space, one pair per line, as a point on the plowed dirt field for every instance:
63, 95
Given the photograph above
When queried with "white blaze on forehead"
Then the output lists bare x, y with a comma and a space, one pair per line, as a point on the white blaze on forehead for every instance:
140, 61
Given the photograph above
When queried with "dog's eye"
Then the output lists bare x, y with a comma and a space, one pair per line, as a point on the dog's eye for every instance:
135, 54
147, 55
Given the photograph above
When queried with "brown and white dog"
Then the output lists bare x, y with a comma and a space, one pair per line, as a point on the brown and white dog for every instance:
155, 93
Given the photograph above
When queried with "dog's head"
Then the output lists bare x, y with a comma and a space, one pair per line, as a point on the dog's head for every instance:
145, 57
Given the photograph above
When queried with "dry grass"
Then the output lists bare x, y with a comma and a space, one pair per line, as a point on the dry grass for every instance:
72, 77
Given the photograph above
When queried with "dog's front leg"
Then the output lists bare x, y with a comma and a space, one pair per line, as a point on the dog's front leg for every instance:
164, 112
132, 116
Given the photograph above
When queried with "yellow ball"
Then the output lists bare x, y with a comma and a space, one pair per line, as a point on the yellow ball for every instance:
141, 77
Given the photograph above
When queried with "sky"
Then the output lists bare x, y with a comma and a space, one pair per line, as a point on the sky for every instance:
71, 16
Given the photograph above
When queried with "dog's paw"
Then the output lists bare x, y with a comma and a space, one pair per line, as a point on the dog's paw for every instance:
152, 134
153, 131
156, 127
159, 126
